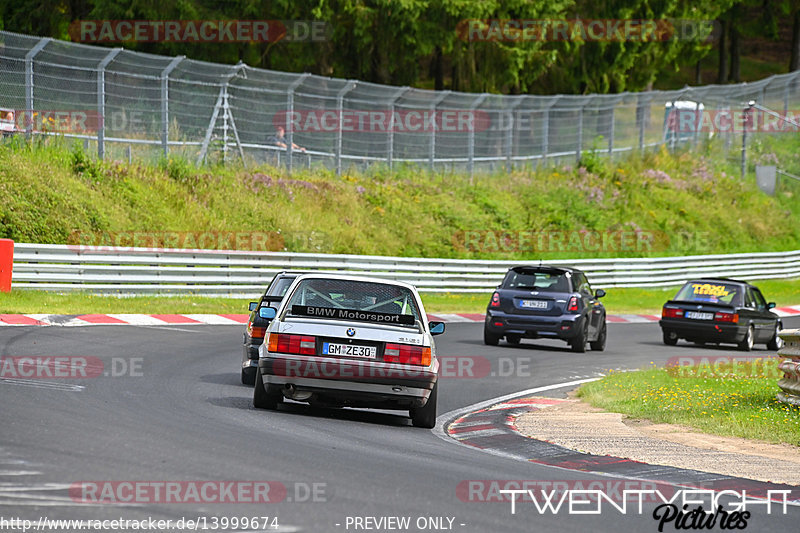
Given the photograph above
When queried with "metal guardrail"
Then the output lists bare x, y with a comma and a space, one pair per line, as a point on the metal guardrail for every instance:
241, 273
790, 384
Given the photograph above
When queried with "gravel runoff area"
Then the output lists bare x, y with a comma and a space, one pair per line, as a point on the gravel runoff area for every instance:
579, 426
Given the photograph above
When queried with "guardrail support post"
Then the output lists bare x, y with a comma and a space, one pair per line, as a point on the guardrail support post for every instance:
6, 264
29, 83
790, 384
165, 103
101, 101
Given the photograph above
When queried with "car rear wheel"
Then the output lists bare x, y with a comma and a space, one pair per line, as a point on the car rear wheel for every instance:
578, 344
261, 399
513, 339
600, 344
775, 343
747, 343
670, 337
489, 338
425, 417
248, 376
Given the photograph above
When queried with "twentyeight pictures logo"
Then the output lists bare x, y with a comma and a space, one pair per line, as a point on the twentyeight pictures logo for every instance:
198, 31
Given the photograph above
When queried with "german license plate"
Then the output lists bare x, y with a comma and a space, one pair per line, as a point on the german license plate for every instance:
534, 304
697, 315
349, 350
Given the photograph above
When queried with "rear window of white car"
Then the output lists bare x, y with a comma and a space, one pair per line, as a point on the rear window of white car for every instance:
354, 300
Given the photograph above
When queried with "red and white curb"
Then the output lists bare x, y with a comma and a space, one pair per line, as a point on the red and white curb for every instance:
122, 319
474, 428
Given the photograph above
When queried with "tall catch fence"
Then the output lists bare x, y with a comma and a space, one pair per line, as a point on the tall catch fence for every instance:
130, 104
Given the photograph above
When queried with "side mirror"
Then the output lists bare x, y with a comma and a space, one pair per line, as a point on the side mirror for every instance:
771, 305
267, 312
253, 306
599, 293
437, 328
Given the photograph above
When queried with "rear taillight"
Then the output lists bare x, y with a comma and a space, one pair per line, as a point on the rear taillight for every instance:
495, 300
407, 354
671, 312
258, 333
720, 316
292, 344
573, 304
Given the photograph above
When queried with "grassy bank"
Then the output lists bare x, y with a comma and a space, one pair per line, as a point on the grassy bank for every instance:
730, 401
617, 301
686, 204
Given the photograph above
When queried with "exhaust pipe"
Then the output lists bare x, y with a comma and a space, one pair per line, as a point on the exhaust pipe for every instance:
290, 391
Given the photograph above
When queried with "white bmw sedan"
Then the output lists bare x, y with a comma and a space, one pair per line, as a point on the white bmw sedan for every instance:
346, 341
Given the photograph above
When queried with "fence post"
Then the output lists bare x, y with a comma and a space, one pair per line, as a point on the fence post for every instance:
579, 148
432, 145
396, 96
512, 125
471, 136
165, 103
29, 83
745, 117
340, 110
6, 264
289, 114
546, 129
611, 133
101, 100
640, 112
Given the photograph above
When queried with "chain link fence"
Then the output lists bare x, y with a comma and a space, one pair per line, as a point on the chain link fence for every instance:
131, 104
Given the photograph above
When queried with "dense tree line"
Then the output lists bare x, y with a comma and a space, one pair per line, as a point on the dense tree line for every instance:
442, 44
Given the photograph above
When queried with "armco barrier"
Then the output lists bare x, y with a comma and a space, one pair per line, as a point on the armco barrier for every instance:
790, 384
245, 274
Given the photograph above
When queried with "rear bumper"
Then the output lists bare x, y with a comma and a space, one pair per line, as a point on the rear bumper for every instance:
250, 351
556, 327
708, 331
353, 382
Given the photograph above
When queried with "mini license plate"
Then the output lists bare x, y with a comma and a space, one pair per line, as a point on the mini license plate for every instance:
349, 350
534, 304
697, 315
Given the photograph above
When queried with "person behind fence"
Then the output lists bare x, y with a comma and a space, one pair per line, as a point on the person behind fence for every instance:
279, 139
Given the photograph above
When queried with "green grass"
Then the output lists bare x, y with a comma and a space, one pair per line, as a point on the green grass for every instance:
617, 301
691, 203
732, 402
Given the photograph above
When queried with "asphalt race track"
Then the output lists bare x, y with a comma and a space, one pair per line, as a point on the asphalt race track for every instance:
167, 406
